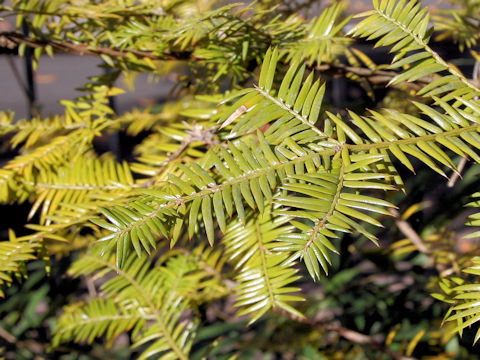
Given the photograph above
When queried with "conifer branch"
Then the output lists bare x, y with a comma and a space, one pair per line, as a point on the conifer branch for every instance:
147, 298
351, 335
428, 49
11, 39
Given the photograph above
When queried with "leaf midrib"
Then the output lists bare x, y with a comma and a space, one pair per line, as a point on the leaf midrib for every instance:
120, 272
261, 248
321, 223
280, 165
428, 49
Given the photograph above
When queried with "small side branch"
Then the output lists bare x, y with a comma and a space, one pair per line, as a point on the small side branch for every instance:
12, 39
375, 77
348, 334
456, 175
409, 232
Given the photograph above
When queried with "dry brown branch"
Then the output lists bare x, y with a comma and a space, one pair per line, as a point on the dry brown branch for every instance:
456, 175
409, 232
5, 335
351, 335
9, 39
376, 77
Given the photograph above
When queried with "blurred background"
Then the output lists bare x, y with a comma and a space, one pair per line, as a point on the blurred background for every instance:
371, 291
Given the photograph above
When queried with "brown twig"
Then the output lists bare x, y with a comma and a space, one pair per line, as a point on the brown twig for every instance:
5, 335
10, 39
348, 334
172, 157
409, 232
376, 77
456, 175
92, 291
197, 133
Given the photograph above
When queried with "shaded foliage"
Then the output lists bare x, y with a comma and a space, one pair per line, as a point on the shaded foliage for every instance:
252, 206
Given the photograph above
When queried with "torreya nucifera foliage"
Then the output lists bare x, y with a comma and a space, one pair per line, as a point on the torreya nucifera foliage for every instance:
252, 206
